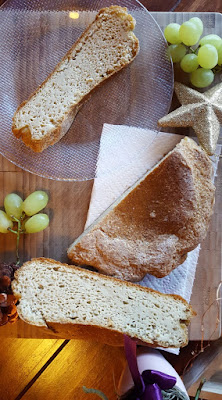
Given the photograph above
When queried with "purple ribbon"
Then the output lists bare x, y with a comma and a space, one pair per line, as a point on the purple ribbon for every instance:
148, 385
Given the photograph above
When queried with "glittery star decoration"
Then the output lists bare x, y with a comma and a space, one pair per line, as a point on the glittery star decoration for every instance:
201, 111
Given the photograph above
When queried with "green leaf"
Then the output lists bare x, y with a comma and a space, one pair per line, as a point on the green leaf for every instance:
199, 389
95, 391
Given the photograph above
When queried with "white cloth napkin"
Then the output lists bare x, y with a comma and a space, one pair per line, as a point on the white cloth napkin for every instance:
126, 153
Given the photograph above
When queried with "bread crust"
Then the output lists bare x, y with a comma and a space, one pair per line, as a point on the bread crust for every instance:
93, 332
101, 335
63, 125
154, 224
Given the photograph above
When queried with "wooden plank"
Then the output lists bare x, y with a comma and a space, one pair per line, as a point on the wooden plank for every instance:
205, 366
214, 385
199, 5
183, 5
79, 364
6, 166
20, 360
210, 396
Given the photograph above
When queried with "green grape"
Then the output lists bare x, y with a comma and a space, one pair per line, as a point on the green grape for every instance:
37, 223
189, 62
202, 77
171, 33
198, 23
13, 205
177, 52
5, 222
215, 40
189, 33
220, 56
207, 56
35, 202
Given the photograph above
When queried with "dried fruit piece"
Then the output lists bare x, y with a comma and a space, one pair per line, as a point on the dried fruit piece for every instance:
3, 298
3, 318
5, 281
8, 310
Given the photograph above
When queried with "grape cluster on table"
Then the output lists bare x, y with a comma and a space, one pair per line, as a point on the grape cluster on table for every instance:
200, 57
26, 211
19, 217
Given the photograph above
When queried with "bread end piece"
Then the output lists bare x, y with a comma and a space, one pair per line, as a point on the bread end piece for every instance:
154, 224
77, 303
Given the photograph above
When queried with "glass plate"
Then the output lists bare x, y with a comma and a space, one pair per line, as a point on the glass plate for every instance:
34, 37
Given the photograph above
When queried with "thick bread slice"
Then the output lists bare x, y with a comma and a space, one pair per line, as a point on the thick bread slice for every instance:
152, 226
105, 47
77, 303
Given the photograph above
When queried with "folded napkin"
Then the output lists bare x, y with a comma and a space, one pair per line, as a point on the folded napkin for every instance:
126, 153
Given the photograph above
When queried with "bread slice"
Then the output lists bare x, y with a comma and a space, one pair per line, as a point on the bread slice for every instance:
152, 226
106, 46
77, 303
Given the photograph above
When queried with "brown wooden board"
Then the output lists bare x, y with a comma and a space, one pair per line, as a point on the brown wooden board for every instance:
20, 361
68, 207
80, 364
209, 268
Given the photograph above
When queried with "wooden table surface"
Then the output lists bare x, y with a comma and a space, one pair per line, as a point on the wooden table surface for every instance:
54, 368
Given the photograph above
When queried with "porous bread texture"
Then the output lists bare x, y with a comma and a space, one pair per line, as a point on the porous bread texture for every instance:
152, 226
106, 46
77, 303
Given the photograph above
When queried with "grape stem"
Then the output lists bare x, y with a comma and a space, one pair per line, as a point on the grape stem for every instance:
17, 232
193, 51
217, 68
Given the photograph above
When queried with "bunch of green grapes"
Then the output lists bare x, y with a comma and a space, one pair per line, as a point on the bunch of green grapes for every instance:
201, 58
25, 213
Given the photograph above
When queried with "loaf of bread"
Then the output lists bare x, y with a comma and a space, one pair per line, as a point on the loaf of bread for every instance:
76, 303
153, 225
106, 46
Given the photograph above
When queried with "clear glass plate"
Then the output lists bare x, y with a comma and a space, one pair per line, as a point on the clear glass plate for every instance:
34, 37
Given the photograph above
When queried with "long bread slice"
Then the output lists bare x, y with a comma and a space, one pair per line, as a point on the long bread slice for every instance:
77, 303
106, 46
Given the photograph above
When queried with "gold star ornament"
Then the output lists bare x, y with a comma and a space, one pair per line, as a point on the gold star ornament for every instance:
201, 111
